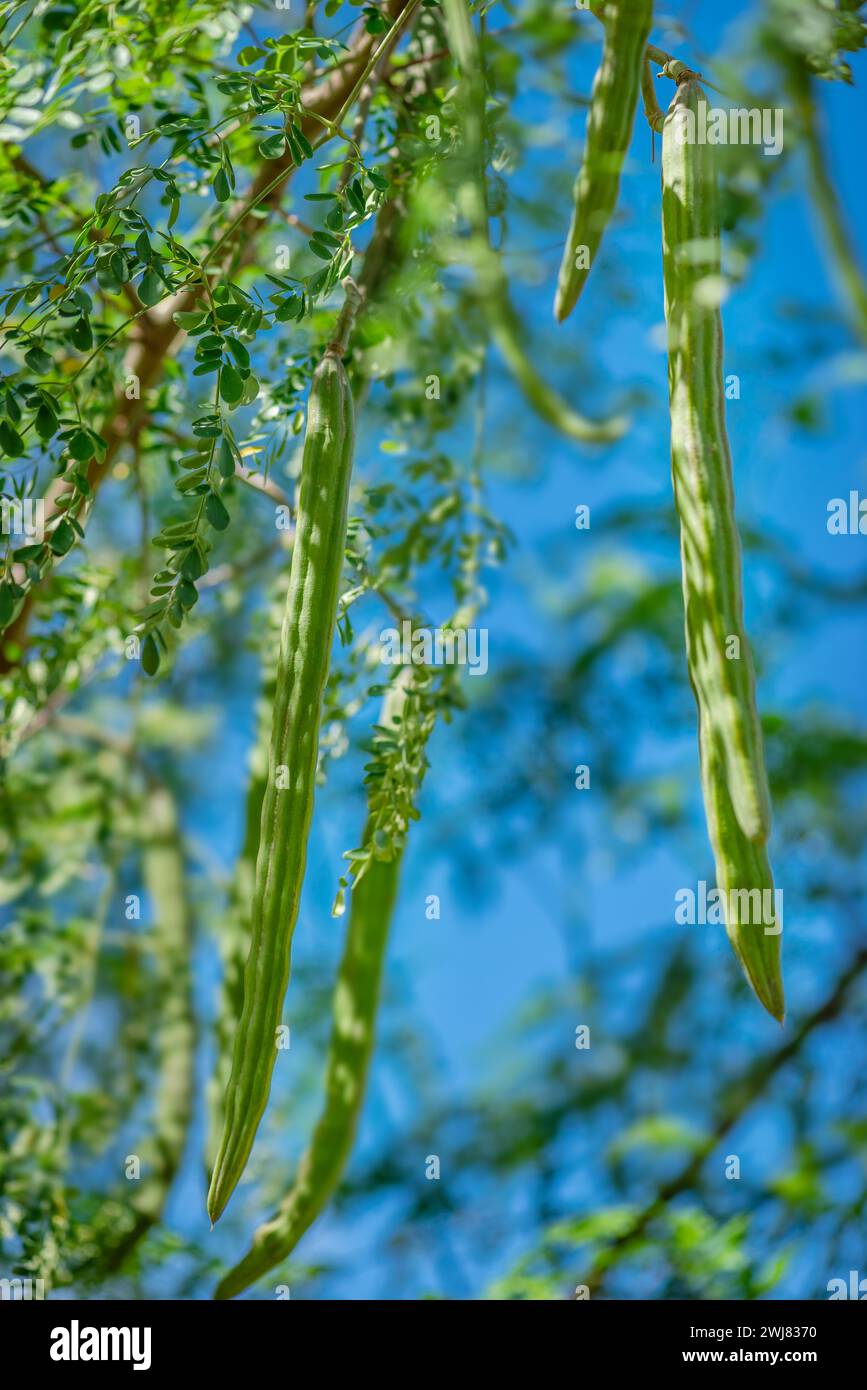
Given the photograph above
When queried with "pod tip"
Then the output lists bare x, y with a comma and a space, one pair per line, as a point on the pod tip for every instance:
771, 996
215, 1208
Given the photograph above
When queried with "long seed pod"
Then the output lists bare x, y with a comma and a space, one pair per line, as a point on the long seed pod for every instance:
737, 801
383, 257
844, 265
305, 650
235, 926
548, 404
356, 1001
491, 282
609, 130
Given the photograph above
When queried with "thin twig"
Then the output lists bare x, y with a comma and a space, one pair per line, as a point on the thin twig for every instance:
742, 1093
260, 483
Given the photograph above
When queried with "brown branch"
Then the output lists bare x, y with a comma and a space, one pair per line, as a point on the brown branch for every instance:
223, 574
423, 61
295, 221
365, 96
260, 483
741, 1095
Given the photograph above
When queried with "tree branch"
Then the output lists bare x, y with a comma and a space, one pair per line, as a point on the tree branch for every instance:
740, 1096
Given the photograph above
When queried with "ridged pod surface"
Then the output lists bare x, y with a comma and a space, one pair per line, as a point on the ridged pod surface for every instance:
610, 120
737, 801
235, 927
385, 254
304, 658
356, 1000
742, 868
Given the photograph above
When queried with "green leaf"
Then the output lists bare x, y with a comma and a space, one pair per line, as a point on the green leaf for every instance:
7, 604
239, 352
355, 194
81, 335
193, 566
302, 139
46, 422
186, 321
152, 610
230, 313
226, 459
10, 440
106, 278
188, 594
81, 446
191, 480
294, 149
150, 655
216, 512
62, 538
151, 290
374, 22
231, 384
289, 309
183, 531
207, 429
274, 146
39, 360
222, 191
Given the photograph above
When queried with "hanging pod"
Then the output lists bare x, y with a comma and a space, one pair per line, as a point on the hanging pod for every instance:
609, 130
734, 781
287, 807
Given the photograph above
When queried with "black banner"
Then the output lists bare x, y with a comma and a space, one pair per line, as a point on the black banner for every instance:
64, 1338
